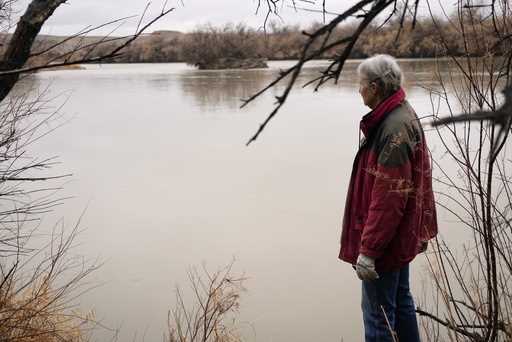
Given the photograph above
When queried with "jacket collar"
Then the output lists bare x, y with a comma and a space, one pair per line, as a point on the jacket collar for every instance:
373, 118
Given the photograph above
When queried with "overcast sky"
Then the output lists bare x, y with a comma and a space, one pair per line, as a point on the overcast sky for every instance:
77, 14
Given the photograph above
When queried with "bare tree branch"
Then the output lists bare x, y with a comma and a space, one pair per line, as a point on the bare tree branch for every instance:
28, 28
378, 6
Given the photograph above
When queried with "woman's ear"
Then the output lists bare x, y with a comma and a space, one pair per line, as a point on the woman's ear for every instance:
374, 87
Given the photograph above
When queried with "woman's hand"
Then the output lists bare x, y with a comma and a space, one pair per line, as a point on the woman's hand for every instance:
365, 268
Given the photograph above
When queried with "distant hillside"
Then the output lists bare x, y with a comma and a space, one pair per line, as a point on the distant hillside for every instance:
159, 46
168, 33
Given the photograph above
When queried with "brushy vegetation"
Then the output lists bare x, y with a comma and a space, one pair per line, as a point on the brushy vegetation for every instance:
39, 277
208, 44
211, 314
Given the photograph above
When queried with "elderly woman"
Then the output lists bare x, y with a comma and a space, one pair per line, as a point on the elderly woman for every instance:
389, 212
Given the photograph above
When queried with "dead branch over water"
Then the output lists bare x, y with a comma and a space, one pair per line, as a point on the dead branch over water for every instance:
369, 13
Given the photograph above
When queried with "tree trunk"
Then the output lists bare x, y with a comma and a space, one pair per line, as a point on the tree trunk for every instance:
20, 44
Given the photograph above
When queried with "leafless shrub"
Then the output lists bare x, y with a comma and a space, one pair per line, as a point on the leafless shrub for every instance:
212, 318
37, 301
40, 280
472, 298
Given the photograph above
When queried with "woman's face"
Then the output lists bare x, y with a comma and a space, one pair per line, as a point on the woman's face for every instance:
369, 92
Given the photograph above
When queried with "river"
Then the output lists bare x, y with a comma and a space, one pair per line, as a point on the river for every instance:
165, 182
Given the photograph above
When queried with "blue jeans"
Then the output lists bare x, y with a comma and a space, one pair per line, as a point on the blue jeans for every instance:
390, 294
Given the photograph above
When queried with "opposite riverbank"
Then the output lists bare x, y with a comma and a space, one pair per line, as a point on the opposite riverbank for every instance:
240, 46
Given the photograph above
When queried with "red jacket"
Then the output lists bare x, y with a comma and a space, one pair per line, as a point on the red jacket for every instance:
390, 207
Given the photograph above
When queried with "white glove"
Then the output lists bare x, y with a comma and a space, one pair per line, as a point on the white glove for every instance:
365, 268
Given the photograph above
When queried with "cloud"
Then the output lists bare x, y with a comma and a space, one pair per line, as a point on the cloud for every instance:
74, 15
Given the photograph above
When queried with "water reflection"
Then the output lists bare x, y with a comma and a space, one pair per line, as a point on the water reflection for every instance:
225, 88
213, 90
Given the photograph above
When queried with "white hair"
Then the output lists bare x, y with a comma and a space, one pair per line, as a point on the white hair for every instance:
384, 70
